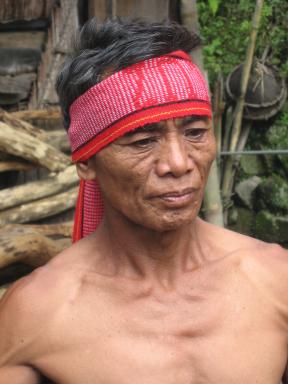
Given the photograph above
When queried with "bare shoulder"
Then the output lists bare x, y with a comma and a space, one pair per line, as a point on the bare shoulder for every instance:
263, 264
230, 242
31, 305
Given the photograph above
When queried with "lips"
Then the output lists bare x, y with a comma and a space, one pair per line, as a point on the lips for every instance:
178, 198
177, 193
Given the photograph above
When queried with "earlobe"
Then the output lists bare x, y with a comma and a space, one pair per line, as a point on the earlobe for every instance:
85, 170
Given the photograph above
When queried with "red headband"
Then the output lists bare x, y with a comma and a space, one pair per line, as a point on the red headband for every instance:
152, 90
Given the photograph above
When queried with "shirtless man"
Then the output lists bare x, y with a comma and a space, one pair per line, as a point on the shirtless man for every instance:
155, 295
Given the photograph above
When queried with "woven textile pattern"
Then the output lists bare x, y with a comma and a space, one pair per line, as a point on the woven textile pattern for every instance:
153, 82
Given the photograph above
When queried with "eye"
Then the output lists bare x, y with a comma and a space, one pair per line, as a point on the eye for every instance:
144, 143
195, 133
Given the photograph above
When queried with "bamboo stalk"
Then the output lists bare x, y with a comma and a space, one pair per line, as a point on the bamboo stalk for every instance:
212, 198
236, 131
218, 110
227, 128
236, 128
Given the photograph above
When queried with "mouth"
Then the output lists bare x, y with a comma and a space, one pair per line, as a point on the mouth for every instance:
178, 198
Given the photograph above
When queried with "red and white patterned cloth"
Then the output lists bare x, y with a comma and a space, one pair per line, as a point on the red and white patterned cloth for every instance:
152, 90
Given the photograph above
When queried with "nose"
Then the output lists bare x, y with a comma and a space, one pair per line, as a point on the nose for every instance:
173, 158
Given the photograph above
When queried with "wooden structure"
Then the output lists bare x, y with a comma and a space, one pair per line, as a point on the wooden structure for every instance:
36, 36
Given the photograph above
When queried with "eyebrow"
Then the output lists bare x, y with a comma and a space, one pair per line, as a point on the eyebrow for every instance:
194, 118
146, 128
154, 127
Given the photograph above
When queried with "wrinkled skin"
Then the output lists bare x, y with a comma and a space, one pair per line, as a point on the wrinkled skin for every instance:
156, 295
137, 170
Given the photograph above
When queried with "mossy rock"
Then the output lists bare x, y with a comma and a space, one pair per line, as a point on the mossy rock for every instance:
272, 193
241, 220
253, 165
245, 191
271, 228
277, 138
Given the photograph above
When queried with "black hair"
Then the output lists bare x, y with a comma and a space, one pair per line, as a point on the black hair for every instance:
113, 45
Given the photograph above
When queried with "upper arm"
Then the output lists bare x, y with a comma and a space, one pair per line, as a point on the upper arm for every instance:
275, 277
14, 336
18, 375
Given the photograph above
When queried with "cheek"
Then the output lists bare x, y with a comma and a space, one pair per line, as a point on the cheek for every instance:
119, 173
204, 156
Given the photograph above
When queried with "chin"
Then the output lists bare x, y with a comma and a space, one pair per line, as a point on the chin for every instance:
170, 222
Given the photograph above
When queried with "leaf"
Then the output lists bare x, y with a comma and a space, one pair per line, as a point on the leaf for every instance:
214, 4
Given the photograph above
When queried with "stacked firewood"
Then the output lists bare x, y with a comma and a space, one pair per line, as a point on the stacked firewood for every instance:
25, 147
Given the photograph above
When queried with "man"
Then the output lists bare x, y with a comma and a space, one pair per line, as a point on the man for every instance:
149, 293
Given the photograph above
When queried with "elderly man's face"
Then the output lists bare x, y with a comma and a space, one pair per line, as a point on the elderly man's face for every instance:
155, 176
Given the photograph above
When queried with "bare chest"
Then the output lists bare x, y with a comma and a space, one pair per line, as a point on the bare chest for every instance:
197, 339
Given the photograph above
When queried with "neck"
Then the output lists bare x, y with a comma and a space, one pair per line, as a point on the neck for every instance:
163, 257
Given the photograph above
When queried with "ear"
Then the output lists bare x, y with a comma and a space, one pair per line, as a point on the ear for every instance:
85, 170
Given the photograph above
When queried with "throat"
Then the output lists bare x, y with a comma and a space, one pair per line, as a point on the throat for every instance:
136, 252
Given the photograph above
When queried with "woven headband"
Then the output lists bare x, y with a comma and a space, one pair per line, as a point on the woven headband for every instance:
152, 90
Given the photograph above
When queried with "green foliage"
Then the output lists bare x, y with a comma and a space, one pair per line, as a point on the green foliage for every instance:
214, 4
277, 138
225, 27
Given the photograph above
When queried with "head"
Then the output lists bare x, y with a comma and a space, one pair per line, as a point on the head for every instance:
101, 49
155, 174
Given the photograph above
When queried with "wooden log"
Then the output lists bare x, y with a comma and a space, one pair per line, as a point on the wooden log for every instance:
56, 138
21, 125
59, 139
6, 166
51, 113
28, 247
51, 230
40, 209
12, 197
15, 88
31, 148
